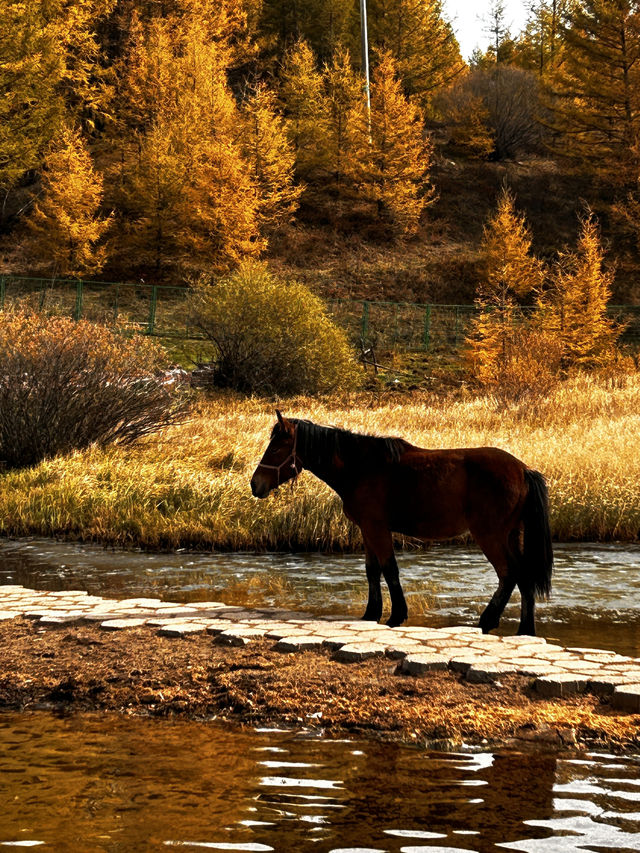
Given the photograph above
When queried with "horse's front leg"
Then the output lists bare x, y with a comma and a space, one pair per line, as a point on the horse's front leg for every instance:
373, 612
379, 545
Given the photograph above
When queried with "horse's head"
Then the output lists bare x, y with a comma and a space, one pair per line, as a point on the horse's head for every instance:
280, 461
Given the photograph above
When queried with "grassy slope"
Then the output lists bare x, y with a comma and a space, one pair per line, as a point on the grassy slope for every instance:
189, 485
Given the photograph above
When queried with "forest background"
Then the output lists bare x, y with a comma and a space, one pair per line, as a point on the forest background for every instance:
160, 140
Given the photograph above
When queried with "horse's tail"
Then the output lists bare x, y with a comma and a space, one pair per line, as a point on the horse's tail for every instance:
537, 550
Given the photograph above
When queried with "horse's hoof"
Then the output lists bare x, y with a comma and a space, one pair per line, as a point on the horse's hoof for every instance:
369, 618
394, 623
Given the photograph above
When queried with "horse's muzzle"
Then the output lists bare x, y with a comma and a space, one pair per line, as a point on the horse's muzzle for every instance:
259, 488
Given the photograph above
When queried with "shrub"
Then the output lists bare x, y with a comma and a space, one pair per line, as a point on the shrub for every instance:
271, 336
65, 385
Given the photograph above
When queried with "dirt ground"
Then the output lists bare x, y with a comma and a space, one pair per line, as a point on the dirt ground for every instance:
136, 671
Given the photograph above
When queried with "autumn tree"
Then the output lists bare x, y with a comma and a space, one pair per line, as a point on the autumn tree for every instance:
420, 39
183, 187
66, 229
341, 131
50, 74
539, 46
270, 158
323, 24
575, 306
302, 96
597, 89
509, 274
394, 161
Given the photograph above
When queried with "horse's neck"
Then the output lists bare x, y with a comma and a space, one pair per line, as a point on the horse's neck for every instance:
322, 460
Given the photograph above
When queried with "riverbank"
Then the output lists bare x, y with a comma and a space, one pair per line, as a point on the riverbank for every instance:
135, 671
188, 486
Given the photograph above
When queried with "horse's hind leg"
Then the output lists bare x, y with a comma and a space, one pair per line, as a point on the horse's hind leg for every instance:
379, 549
498, 555
373, 612
527, 608
493, 611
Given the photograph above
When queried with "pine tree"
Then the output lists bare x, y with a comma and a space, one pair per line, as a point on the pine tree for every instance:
65, 226
270, 157
302, 96
597, 88
575, 308
509, 273
323, 24
394, 162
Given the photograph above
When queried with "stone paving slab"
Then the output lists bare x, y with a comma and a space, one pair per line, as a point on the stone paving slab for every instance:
556, 671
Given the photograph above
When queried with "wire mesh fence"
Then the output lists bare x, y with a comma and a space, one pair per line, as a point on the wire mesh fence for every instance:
162, 311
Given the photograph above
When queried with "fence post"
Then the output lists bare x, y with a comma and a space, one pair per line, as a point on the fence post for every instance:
365, 320
426, 333
77, 311
2, 292
152, 310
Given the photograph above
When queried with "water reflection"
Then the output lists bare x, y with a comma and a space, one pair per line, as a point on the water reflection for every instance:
112, 784
595, 602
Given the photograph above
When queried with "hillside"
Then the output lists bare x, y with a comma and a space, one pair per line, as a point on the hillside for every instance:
331, 251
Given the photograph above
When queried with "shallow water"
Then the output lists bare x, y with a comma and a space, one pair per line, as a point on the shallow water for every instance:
595, 601
89, 783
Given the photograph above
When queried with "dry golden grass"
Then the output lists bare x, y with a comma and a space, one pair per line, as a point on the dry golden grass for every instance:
188, 486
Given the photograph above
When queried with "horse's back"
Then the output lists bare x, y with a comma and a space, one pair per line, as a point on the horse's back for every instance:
439, 494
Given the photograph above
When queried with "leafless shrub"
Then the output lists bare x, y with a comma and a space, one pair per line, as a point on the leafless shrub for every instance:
65, 385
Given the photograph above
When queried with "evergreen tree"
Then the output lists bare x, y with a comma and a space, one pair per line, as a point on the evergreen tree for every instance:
394, 163
323, 24
65, 226
575, 308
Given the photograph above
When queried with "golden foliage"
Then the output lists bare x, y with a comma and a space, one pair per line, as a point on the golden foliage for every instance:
66, 230
574, 308
270, 158
395, 153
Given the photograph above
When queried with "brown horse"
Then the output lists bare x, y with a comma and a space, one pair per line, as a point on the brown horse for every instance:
388, 485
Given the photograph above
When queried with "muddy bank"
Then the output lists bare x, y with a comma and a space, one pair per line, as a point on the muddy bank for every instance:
85, 668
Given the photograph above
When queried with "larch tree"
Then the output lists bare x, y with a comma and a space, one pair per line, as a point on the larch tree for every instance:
509, 273
341, 127
184, 189
302, 97
270, 157
395, 159
596, 92
575, 306
420, 39
65, 225
323, 24
51, 74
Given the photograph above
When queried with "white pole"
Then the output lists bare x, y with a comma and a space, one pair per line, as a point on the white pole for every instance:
365, 56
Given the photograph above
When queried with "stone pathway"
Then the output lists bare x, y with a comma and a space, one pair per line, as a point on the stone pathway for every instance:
479, 658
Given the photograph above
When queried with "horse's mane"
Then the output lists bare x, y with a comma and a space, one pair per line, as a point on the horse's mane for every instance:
320, 444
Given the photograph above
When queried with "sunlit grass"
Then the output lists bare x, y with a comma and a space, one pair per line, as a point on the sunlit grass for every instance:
188, 486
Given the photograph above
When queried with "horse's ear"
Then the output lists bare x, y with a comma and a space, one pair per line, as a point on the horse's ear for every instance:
280, 418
